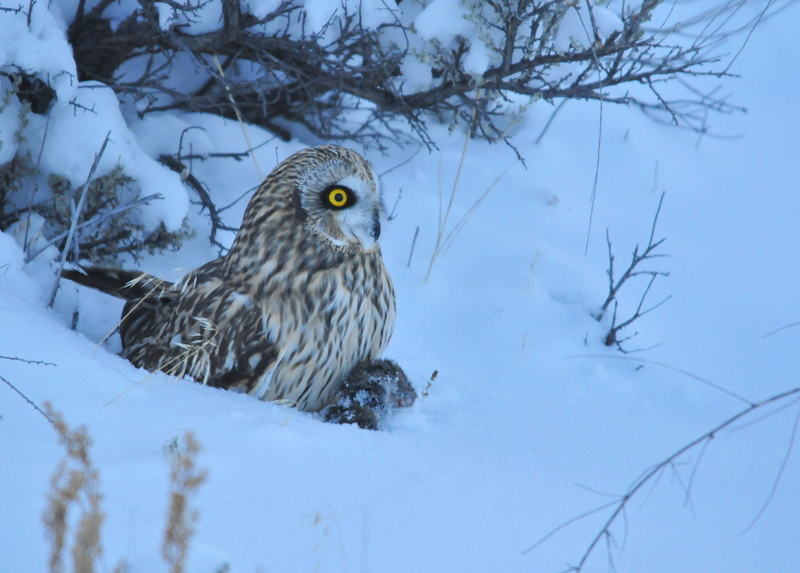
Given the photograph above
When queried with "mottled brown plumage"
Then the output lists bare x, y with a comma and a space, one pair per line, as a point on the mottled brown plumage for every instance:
298, 301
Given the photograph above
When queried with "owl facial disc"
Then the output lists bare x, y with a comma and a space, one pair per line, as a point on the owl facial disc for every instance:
341, 203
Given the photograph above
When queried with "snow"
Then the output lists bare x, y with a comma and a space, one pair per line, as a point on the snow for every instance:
69, 142
9, 124
478, 58
444, 20
419, 74
531, 420
575, 29
40, 47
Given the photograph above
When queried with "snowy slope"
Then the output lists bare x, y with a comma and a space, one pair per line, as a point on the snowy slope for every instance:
521, 430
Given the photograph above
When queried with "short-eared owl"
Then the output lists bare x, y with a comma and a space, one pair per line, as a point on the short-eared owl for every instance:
300, 299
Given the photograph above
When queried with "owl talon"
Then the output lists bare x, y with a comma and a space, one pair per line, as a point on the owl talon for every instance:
363, 416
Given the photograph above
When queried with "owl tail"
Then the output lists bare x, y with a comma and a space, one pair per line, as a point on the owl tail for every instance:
127, 285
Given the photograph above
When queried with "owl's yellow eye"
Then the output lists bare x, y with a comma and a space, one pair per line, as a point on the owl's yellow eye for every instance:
338, 197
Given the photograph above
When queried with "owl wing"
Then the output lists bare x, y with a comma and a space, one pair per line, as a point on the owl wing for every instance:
205, 328
245, 355
200, 326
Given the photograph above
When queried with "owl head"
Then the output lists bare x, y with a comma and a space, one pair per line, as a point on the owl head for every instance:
337, 196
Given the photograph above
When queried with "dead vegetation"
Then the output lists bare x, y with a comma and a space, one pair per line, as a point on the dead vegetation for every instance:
634, 270
683, 470
346, 81
74, 485
185, 480
106, 228
260, 70
75, 489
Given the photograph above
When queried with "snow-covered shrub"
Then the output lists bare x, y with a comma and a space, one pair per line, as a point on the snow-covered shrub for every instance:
39, 215
370, 70
365, 71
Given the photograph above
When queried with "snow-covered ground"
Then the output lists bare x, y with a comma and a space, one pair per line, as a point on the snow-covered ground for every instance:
531, 421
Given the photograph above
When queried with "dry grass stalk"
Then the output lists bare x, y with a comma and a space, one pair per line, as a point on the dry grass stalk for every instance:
185, 479
443, 220
75, 482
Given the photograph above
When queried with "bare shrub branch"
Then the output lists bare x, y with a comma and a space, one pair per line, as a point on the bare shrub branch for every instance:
175, 164
632, 271
346, 80
94, 221
782, 328
108, 223
316, 79
652, 474
18, 391
26, 361
24, 397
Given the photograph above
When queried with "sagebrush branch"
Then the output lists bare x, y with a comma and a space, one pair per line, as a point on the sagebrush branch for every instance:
311, 80
657, 470
633, 270
205, 198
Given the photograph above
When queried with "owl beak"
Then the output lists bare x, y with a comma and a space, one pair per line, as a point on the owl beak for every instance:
375, 232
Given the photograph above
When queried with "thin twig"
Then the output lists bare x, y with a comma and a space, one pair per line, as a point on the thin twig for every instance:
772, 491
694, 471
568, 523
229, 93
399, 165
26, 361
614, 287
635, 260
413, 242
443, 220
550, 120
454, 232
777, 330
75, 215
750, 33
28, 400
593, 39
763, 417
391, 216
206, 202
